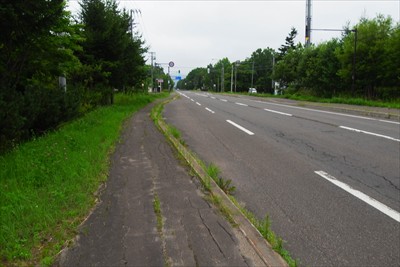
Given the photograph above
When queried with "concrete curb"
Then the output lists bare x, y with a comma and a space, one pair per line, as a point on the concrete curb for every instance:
256, 240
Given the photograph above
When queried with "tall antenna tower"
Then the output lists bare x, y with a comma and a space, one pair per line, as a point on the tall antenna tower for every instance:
308, 23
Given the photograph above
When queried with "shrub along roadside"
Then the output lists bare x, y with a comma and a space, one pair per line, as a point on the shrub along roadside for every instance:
48, 185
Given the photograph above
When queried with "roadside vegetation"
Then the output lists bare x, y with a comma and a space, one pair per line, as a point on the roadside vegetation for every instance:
56, 66
49, 184
368, 51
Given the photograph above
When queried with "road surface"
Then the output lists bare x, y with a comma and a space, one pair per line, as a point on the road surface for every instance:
330, 182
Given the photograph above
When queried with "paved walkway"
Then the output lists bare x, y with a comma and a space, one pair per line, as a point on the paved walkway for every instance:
122, 230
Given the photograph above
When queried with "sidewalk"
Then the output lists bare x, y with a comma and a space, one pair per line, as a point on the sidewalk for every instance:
122, 230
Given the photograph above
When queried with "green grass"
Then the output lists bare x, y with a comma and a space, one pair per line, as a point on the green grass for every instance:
48, 185
157, 211
226, 185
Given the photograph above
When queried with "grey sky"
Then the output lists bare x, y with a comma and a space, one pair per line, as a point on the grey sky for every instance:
193, 33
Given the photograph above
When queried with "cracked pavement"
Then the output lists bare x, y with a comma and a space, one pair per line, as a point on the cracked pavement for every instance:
122, 229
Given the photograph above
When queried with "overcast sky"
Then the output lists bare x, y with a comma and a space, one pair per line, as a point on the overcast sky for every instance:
195, 33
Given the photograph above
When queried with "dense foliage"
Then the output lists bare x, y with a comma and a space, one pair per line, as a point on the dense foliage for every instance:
323, 70
40, 42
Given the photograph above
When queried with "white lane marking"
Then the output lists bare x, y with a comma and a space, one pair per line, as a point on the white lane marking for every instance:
210, 110
241, 104
240, 127
394, 122
274, 111
367, 199
198, 103
213, 97
192, 99
370, 133
328, 112
315, 110
224, 100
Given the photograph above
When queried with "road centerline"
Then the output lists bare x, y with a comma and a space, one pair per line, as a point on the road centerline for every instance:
240, 127
360, 195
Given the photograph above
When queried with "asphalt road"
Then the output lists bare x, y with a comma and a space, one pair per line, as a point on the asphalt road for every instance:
329, 181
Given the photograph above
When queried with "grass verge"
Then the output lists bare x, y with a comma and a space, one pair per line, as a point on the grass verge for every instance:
48, 185
212, 172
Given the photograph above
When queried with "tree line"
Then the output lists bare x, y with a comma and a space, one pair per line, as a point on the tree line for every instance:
97, 51
363, 62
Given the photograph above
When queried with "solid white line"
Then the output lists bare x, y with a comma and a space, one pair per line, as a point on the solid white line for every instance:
394, 122
241, 104
274, 111
374, 134
240, 127
320, 111
224, 100
210, 110
198, 103
367, 199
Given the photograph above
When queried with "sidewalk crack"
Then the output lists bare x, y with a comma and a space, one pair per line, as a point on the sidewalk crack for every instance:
212, 236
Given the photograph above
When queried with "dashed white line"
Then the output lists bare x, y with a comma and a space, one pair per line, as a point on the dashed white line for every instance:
370, 133
224, 100
192, 99
360, 195
212, 97
240, 127
241, 104
198, 103
278, 112
210, 110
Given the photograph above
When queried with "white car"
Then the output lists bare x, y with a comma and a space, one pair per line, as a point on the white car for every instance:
252, 91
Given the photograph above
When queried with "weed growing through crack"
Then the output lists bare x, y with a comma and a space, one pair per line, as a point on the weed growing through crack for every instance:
226, 185
264, 227
222, 208
157, 211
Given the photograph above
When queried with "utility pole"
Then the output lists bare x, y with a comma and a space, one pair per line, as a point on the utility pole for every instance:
152, 57
273, 69
231, 77
236, 66
252, 74
222, 79
308, 23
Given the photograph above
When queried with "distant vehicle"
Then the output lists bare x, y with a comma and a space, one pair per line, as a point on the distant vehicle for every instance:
252, 91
